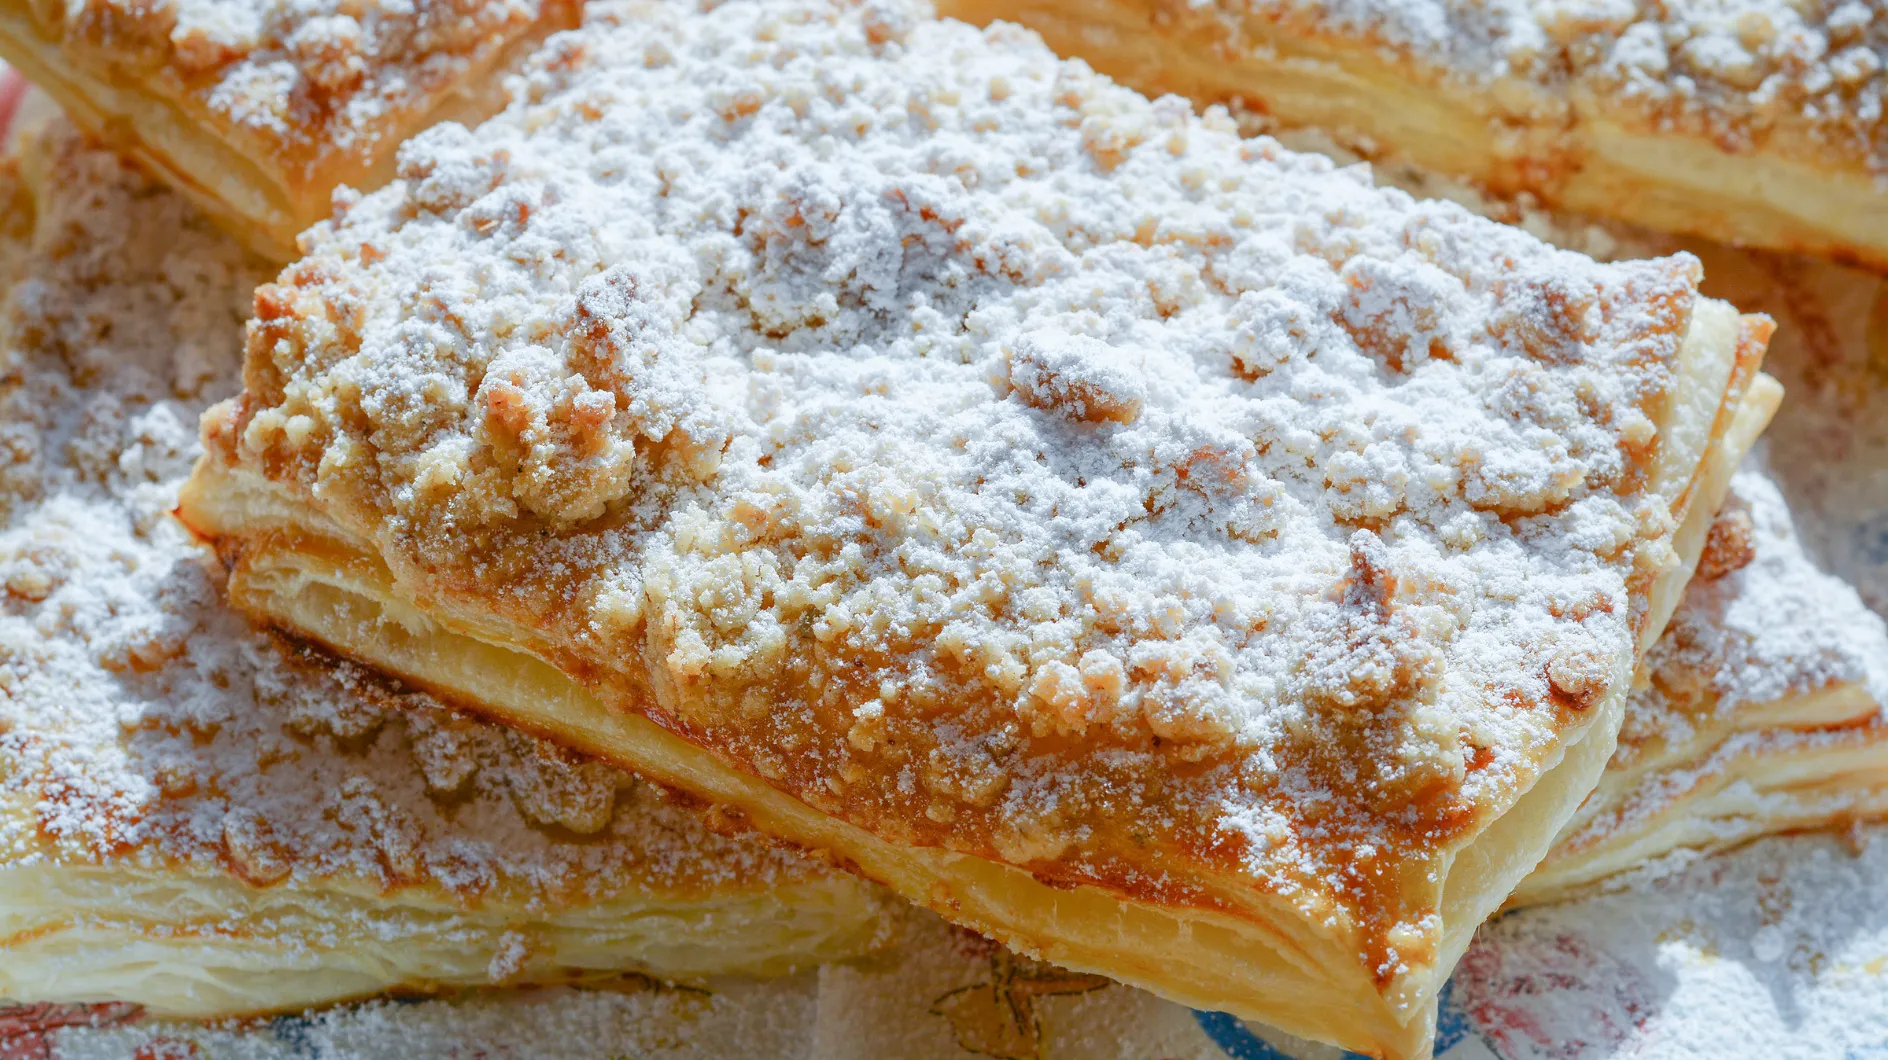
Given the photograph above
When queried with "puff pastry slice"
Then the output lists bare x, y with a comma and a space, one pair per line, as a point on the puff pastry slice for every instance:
1750, 121
197, 821
1761, 713
1173, 556
259, 109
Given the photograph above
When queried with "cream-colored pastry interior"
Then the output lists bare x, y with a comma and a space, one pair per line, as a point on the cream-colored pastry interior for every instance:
241, 190
187, 945
1787, 781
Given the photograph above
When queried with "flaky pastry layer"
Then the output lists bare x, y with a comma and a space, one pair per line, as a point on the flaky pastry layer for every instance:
204, 819
1760, 711
192, 946
293, 569
1749, 786
1761, 128
959, 462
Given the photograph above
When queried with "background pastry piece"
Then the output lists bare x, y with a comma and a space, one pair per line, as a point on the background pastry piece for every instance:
259, 109
1762, 712
1750, 121
1166, 553
197, 822
1773, 677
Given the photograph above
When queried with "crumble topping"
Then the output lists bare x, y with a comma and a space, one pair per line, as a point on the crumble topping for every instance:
986, 454
1737, 71
141, 722
311, 78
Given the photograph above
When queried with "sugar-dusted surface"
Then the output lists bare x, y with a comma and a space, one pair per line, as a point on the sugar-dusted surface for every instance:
1777, 950
727, 1020
1736, 71
309, 79
1783, 618
144, 724
1828, 443
1761, 624
985, 454
1765, 625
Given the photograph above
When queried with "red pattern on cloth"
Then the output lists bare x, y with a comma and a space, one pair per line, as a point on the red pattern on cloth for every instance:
26, 1030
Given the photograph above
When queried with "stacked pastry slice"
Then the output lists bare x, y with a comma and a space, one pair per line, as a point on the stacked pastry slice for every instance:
1762, 710
1753, 121
198, 821
1170, 555
259, 110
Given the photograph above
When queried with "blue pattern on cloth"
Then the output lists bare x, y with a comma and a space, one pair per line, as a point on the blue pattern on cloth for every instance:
1238, 1043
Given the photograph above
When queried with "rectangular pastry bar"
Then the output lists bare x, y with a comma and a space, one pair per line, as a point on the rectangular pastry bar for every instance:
259, 109
1170, 555
195, 821
1757, 122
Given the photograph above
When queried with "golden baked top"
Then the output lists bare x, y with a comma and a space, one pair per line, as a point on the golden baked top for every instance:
308, 80
985, 454
144, 724
1759, 623
1738, 72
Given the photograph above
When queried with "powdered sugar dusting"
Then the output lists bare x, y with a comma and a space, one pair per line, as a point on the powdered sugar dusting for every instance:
984, 453
309, 80
141, 722
1745, 73
1776, 950
1760, 624
730, 1020
1775, 626
1597, 238
1773, 623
